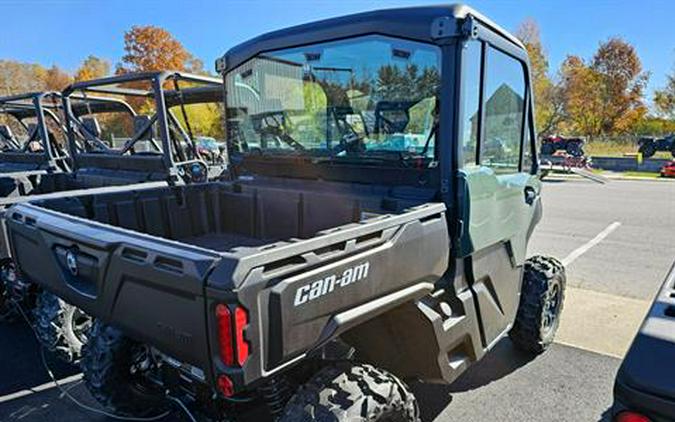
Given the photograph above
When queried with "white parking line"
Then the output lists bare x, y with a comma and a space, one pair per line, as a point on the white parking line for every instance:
588, 245
39, 388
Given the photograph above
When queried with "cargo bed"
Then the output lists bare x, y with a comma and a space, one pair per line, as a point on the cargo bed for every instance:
156, 262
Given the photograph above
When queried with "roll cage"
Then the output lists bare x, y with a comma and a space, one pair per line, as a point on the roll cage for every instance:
44, 107
151, 86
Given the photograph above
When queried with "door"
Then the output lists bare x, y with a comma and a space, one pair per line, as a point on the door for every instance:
497, 183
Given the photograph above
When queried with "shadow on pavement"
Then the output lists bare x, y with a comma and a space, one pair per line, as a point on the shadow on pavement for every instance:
503, 360
21, 365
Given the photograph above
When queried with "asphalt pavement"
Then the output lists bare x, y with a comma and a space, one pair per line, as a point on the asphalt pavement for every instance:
618, 240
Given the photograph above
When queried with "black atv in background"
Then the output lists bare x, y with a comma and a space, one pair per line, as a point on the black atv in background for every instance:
650, 146
552, 144
157, 151
32, 140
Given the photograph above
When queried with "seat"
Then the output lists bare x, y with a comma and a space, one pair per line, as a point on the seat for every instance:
93, 128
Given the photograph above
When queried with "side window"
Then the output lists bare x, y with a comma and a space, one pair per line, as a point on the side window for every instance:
504, 107
471, 101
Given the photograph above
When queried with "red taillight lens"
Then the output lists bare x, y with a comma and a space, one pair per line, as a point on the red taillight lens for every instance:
225, 386
240, 322
631, 417
227, 340
224, 318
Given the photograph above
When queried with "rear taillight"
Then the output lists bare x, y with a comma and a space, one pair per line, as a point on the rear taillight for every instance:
629, 416
227, 340
224, 318
240, 322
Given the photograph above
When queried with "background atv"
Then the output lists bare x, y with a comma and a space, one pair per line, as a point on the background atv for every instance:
552, 144
650, 146
331, 246
97, 165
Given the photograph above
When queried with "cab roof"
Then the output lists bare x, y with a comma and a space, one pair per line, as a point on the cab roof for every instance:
413, 23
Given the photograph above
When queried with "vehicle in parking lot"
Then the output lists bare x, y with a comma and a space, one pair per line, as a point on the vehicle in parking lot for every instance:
644, 390
668, 170
159, 151
332, 243
572, 146
649, 146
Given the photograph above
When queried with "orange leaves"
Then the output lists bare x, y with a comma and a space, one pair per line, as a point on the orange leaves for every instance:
150, 48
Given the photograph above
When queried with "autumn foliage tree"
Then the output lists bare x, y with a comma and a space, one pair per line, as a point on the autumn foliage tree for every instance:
664, 98
549, 104
605, 95
92, 67
150, 48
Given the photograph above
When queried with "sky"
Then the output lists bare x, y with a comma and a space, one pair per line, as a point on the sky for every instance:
64, 32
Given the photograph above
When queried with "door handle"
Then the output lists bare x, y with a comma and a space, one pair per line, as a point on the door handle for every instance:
530, 195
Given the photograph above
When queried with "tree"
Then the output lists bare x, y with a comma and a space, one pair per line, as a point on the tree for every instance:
579, 85
55, 79
150, 48
92, 67
664, 99
622, 85
604, 96
549, 105
18, 77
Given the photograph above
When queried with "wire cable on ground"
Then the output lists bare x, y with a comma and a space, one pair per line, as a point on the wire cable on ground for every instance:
91, 409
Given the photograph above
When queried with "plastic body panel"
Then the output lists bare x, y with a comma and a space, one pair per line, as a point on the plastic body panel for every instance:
164, 292
646, 379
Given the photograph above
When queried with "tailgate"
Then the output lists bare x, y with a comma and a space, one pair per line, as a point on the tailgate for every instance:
150, 287
301, 293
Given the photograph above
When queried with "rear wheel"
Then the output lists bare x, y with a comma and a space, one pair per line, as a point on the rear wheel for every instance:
547, 149
575, 148
116, 372
648, 149
8, 311
541, 302
61, 327
349, 392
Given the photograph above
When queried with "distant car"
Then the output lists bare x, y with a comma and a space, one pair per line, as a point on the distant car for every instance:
668, 170
644, 390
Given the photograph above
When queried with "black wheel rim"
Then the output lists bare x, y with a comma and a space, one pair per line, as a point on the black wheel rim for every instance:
81, 323
551, 309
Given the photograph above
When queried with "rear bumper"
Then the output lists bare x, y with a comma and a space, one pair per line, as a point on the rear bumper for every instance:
658, 409
646, 380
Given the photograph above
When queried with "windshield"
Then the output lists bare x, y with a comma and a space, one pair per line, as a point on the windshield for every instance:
365, 97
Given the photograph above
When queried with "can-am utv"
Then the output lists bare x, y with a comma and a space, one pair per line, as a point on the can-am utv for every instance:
112, 149
384, 188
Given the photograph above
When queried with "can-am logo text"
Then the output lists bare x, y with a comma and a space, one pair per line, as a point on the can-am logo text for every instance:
327, 285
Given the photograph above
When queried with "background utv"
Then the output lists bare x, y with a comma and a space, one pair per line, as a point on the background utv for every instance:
374, 229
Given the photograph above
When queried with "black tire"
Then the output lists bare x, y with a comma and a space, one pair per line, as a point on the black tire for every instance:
108, 362
648, 149
8, 311
575, 148
61, 327
352, 392
547, 149
541, 302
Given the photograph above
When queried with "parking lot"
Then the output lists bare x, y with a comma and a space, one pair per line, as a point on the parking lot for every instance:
617, 242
